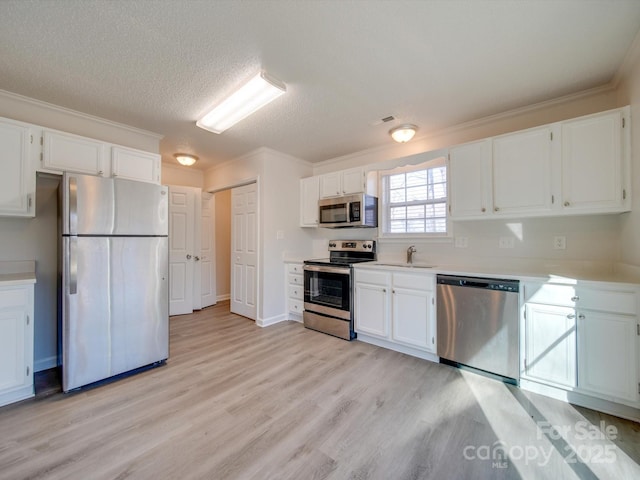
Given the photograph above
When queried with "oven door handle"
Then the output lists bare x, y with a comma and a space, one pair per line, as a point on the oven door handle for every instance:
318, 268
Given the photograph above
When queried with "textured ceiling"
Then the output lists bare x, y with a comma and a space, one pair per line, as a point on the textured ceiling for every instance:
159, 64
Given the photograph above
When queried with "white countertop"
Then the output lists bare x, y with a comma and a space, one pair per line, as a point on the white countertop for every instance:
17, 273
533, 272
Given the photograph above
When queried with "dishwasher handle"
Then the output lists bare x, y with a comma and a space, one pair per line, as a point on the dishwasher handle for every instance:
500, 284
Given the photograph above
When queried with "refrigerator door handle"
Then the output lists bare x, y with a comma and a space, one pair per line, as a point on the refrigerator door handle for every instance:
73, 265
73, 205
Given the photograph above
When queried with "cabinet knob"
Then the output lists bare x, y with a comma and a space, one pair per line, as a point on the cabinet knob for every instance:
496, 209
571, 316
566, 204
581, 316
188, 257
575, 298
101, 173
384, 290
483, 209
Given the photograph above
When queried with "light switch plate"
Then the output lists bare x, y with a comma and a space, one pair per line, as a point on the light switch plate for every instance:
559, 243
506, 242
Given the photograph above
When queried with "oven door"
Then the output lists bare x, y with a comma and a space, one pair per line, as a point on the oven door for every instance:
327, 290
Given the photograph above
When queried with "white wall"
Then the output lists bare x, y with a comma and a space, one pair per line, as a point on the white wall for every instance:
183, 176
278, 178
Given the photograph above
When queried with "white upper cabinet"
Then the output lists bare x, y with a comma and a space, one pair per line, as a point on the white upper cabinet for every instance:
134, 164
470, 179
522, 167
66, 152
18, 180
344, 182
594, 162
309, 195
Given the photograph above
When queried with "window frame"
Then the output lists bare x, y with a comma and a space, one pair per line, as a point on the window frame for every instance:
384, 208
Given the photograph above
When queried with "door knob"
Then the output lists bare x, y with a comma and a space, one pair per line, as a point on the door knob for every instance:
188, 257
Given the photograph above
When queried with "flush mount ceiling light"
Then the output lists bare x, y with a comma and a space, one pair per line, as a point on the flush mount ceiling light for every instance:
403, 133
185, 159
253, 95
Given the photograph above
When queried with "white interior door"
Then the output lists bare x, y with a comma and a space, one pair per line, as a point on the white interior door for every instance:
207, 264
244, 241
181, 249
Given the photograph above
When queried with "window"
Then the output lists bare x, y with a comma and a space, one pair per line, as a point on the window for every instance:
414, 200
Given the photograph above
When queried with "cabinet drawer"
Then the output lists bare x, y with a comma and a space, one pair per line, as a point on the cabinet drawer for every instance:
373, 277
13, 297
296, 306
413, 281
550, 294
607, 300
294, 268
296, 279
296, 292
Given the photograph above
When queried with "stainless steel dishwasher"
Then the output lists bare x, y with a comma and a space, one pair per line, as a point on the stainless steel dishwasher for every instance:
478, 324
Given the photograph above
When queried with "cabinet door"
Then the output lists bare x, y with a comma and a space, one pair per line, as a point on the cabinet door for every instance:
71, 153
470, 179
309, 195
135, 165
13, 361
607, 355
411, 318
592, 163
372, 309
17, 182
522, 165
352, 181
330, 185
550, 344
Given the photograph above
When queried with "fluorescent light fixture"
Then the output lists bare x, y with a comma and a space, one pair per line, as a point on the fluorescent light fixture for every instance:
253, 95
403, 133
185, 159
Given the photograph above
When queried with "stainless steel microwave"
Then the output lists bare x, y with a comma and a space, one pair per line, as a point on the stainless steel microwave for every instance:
358, 210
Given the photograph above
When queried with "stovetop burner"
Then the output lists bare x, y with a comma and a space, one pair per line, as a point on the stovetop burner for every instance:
347, 252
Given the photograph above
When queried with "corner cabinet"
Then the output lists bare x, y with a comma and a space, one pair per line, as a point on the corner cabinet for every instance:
18, 180
16, 343
583, 338
309, 196
396, 309
595, 159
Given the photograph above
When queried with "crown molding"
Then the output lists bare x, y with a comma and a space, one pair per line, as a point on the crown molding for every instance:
77, 114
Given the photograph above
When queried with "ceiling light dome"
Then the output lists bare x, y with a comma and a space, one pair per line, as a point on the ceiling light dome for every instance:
185, 159
403, 133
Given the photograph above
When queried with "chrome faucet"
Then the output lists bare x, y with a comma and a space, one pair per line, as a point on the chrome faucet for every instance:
410, 251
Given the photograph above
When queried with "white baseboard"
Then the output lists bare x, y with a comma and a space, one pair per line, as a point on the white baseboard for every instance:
222, 298
265, 322
45, 363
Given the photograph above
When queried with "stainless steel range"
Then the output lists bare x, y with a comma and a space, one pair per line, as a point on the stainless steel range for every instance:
328, 287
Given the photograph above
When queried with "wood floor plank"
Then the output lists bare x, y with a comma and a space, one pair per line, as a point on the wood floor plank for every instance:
236, 401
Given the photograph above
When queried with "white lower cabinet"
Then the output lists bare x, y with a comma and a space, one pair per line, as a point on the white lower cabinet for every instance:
295, 290
396, 307
584, 339
16, 343
550, 344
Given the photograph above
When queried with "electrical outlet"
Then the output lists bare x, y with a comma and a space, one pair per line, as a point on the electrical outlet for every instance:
462, 242
559, 243
280, 235
506, 242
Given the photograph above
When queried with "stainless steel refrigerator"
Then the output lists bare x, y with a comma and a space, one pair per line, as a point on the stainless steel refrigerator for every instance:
114, 262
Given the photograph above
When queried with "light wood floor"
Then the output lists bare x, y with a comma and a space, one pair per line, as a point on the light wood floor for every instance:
241, 402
